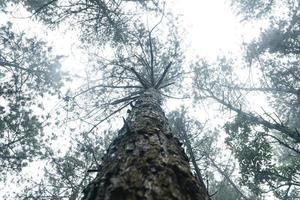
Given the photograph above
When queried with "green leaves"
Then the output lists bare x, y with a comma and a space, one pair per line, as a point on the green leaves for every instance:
253, 152
258, 158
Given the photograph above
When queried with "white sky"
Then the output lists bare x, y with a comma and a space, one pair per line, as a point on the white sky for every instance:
211, 27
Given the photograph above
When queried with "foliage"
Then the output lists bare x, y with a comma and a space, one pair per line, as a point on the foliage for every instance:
99, 21
260, 137
252, 151
258, 159
255, 150
28, 71
66, 174
253, 8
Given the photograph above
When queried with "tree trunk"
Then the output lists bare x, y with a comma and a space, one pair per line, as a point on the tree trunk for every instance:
190, 151
145, 161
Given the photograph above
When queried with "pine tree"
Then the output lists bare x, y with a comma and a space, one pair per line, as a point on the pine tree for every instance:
146, 161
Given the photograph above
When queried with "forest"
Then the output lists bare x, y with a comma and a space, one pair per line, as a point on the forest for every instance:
150, 99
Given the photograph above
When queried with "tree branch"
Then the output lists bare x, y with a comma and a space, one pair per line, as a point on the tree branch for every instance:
151, 60
9, 64
142, 81
42, 7
108, 86
124, 99
281, 90
227, 178
111, 114
163, 76
166, 85
249, 116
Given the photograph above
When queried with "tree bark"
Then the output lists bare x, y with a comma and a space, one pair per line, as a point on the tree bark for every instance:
145, 161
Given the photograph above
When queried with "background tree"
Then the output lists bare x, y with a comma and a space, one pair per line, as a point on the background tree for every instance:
276, 54
256, 133
66, 175
98, 21
200, 143
28, 71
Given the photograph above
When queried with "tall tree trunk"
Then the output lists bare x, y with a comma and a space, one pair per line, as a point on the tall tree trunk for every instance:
145, 161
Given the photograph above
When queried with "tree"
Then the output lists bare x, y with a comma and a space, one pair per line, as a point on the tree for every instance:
255, 135
183, 126
145, 160
276, 54
65, 176
199, 144
28, 71
153, 76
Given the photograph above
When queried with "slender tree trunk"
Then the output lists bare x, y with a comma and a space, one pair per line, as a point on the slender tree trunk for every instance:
192, 157
145, 161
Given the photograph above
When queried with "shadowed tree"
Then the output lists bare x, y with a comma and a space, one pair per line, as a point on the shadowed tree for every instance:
183, 127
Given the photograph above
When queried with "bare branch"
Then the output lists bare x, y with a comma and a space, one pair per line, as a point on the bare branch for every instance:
173, 97
163, 75
107, 117
124, 99
143, 52
249, 116
108, 86
159, 22
151, 60
267, 89
227, 177
151, 50
284, 144
142, 81
166, 85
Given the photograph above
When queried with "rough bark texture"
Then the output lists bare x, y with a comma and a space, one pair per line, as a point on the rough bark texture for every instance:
145, 162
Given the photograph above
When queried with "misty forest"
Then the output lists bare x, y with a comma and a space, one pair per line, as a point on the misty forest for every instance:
150, 99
